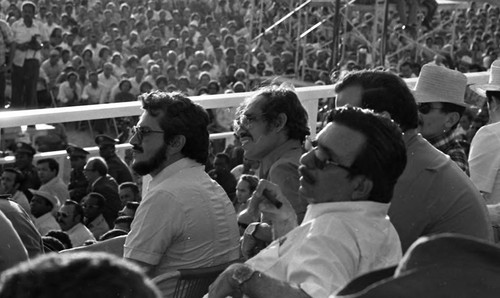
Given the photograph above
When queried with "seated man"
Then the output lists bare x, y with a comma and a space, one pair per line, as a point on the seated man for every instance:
93, 206
129, 192
43, 205
10, 181
48, 170
348, 180
100, 275
129, 209
70, 217
221, 173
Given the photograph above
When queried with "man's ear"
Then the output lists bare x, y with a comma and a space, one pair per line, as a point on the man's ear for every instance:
176, 144
362, 188
280, 121
451, 119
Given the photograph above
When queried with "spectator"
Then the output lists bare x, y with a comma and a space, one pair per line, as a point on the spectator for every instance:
78, 184
93, 206
6, 39
43, 205
129, 209
70, 218
123, 223
95, 91
221, 173
10, 246
117, 168
48, 171
24, 153
129, 192
70, 91
10, 181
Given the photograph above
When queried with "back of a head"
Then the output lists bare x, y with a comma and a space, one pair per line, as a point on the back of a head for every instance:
397, 98
93, 275
178, 115
383, 157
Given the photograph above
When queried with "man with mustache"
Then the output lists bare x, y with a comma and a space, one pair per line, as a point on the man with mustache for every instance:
185, 219
347, 179
272, 126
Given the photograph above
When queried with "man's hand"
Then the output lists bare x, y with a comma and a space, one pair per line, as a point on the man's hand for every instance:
260, 200
225, 285
253, 244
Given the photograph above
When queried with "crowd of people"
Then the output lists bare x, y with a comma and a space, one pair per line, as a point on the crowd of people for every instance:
341, 214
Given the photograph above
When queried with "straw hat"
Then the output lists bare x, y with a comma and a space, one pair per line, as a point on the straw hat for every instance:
54, 201
493, 83
440, 84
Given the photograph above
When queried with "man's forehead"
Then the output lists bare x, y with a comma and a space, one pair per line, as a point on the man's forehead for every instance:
341, 141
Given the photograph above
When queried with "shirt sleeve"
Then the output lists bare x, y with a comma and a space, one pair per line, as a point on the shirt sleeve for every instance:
484, 160
158, 222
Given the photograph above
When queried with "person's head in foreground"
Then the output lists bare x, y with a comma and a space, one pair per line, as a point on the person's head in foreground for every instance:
76, 275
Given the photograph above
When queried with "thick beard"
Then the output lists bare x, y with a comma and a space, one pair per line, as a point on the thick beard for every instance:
157, 160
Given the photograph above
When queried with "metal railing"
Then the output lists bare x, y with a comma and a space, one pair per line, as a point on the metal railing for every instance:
308, 95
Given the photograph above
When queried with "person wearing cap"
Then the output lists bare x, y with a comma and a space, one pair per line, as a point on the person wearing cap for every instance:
48, 171
78, 184
70, 218
440, 94
484, 159
433, 195
43, 205
29, 39
24, 153
117, 168
10, 181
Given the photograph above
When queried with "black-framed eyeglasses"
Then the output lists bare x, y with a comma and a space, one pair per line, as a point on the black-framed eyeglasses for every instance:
140, 132
325, 163
426, 107
248, 121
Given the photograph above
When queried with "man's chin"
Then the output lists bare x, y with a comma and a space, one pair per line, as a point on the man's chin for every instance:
142, 168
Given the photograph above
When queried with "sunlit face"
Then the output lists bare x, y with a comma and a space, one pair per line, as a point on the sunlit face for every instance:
45, 173
433, 123
66, 217
126, 195
324, 170
8, 182
243, 191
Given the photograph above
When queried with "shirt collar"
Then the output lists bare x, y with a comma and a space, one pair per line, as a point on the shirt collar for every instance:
442, 140
364, 208
173, 169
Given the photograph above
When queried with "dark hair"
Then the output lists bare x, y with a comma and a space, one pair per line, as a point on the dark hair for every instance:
398, 100
180, 116
132, 205
133, 186
448, 107
251, 180
100, 198
225, 157
112, 234
19, 175
78, 210
274, 100
53, 165
124, 219
51, 244
61, 236
383, 156
95, 275
98, 164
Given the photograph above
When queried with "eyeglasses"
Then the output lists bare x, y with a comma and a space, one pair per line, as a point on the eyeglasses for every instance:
426, 107
140, 132
325, 163
248, 120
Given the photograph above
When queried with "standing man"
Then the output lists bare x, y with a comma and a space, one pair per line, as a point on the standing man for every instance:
272, 125
29, 36
70, 218
484, 159
48, 171
78, 184
348, 179
432, 195
24, 154
117, 168
6, 38
440, 94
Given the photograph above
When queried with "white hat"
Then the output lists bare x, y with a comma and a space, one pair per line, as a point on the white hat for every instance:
440, 84
48, 196
493, 83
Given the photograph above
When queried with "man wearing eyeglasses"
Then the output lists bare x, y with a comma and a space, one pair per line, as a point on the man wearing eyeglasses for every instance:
432, 195
440, 96
93, 206
347, 179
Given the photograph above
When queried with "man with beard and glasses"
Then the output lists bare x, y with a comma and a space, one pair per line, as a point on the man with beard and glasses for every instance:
347, 179
185, 219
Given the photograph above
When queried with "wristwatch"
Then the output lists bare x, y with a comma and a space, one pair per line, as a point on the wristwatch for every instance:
242, 274
251, 230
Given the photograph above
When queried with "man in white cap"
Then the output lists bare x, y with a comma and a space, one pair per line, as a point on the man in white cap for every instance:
440, 96
484, 159
42, 206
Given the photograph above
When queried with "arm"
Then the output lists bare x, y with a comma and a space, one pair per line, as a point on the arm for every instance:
258, 285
